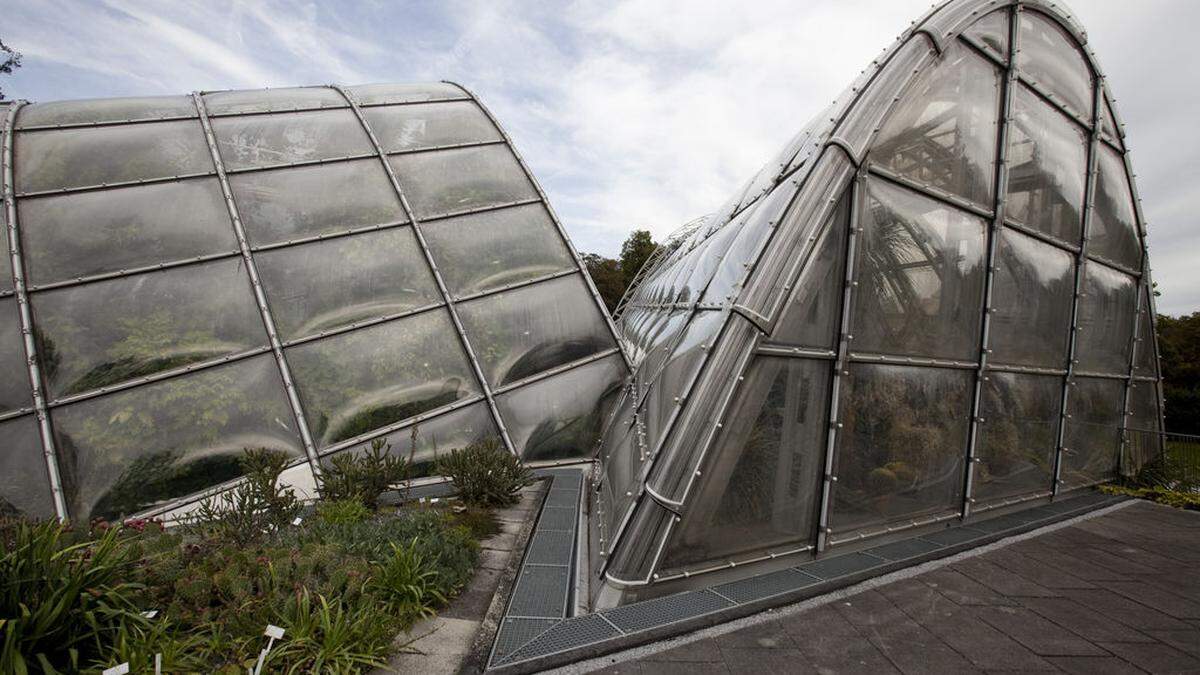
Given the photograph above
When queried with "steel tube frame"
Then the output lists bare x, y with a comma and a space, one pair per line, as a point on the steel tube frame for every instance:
468, 351
260, 297
1000, 192
33, 369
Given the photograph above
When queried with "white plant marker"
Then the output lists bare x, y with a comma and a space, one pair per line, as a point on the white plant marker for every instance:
297, 521
150, 614
119, 669
158, 664
273, 633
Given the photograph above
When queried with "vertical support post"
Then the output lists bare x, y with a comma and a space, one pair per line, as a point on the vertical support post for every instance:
562, 233
259, 295
433, 267
1000, 186
840, 363
33, 370
1080, 263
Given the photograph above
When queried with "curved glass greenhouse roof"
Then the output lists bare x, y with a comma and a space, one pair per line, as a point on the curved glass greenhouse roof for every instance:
934, 302
301, 269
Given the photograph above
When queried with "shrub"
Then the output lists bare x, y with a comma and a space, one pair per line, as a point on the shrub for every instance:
363, 476
408, 583
485, 474
1175, 498
254, 507
342, 512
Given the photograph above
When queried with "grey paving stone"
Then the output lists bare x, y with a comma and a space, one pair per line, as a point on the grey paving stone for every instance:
1164, 601
1001, 580
1083, 621
832, 645
1124, 610
1047, 576
766, 661
700, 650
1094, 665
1040, 635
761, 636
1155, 657
963, 589
1183, 640
911, 647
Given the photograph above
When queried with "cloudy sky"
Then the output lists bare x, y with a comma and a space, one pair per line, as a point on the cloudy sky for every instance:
633, 113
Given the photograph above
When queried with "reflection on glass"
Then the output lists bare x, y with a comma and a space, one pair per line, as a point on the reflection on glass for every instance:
1017, 436
95, 110
287, 204
525, 331
412, 127
1145, 364
810, 317
130, 451
356, 382
104, 333
900, 453
88, 233
448, 181
759, 487
1112, 230
1093, 431
423, 443
24, 485
1031, 302
283, 99
1106, 314
992, 32
560, 417
943, 132
920, 278
69, 158
269, 140
330, 284
483, 251
15, 393
1047, 159
376, 94
670, 385
1049, 55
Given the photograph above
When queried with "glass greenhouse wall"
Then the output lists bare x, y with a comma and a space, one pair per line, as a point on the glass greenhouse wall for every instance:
933, 303
300, 269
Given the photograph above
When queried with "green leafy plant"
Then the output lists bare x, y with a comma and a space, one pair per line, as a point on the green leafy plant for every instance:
342, 511
329, 637
408, 582
256, 506
485, 474
1176, 498
364, 475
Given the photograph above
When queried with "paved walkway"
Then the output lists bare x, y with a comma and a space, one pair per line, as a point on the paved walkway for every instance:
1118, 593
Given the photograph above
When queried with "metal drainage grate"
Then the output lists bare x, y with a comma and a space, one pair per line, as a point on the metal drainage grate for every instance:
840, 566
551, 547
900, 550
541, 592
766, 585
557, 518
954, 536
516, 633
570, 634
665, 610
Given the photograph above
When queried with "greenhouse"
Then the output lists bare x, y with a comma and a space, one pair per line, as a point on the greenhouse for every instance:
301, 269
931, 307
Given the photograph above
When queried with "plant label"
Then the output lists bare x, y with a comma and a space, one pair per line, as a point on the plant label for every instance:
273, 632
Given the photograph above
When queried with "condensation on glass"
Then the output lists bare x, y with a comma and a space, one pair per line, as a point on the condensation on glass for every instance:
156, 355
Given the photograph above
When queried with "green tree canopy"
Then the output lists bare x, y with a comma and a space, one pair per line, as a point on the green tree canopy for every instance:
637, 248
1179, 346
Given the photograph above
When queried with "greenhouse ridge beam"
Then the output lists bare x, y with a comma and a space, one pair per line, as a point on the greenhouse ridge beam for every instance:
33, 370
260, 298
437, 274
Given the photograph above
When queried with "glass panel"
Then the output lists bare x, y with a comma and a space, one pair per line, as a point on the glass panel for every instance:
1143, 406
810, 317
520, 333
437, 183
437, 436
15, 393
488, 250
561, 417
268, 140
1093, 430
133, 450
272, 100
90, 233
1049, 56
374, 94
411, 127
1145, 364
288, 204
992, 32
1018, 435
740, 241
96, 110
330, 284
1143, 444
1112, 232
1031, 302
943, 132
99, 334
1105, 320
1108, 125
70, 158
760, 486
356, 382
6, 278
900, 453
921, 275
24, 485
671, 385
1047, 159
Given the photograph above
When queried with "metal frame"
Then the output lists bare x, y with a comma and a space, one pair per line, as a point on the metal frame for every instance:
1012, 78
33, 369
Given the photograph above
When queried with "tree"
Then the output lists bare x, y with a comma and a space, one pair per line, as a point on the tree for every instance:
606, 274
12, 61
637, 248
1179, 345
